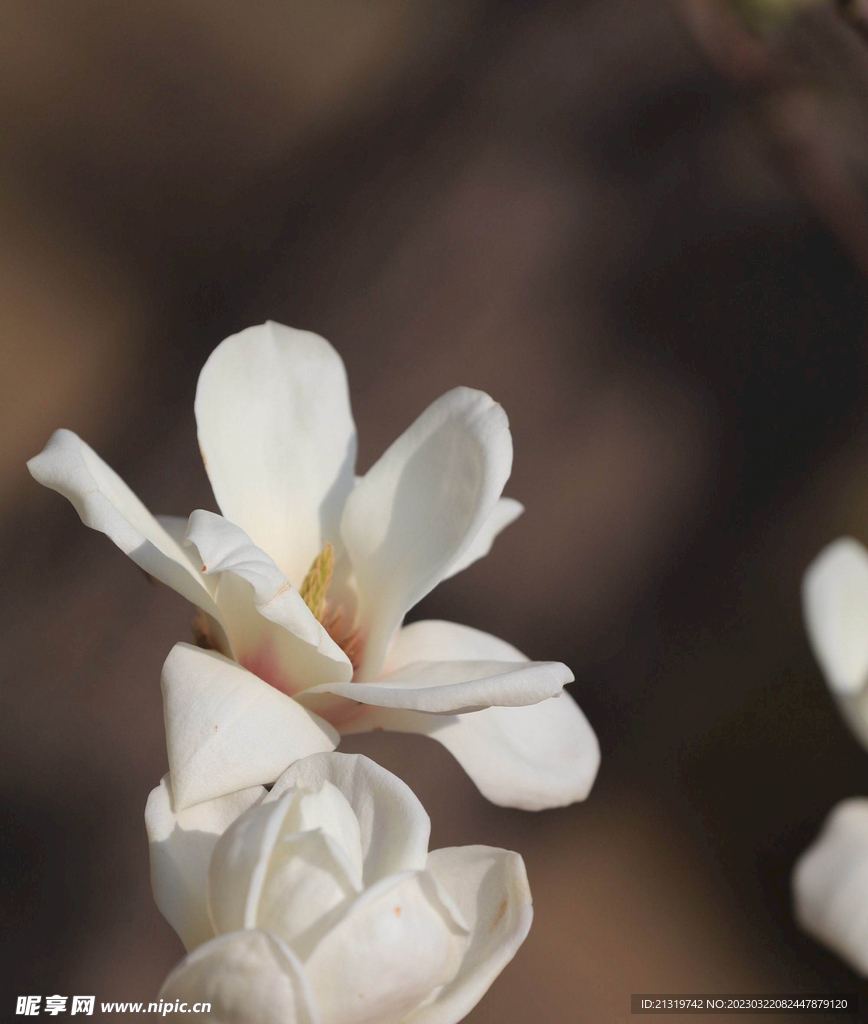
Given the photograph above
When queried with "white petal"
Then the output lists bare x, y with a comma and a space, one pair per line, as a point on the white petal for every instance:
278, 439
308, 879
272, 631
505, 512
105, 503
394, 827
454, 687
835, 600
176, 527
534, 758
420, 507
388, 953
226, 729
248, 977
544, 755
326, 809
830, 884
267, 872
490, 889
436, 640
181, 844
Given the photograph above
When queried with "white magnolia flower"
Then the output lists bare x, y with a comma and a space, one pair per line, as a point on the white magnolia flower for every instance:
830, 881
835, 604
319, 903
305, 582
830, 884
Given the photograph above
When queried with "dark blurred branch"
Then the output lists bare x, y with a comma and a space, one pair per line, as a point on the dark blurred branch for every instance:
806, 83
857, 13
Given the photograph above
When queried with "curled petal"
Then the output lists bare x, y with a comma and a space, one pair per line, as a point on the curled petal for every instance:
176, 527
830, 884
489, 887
272, 630
278, 439
181, 844
454, 687
543, 755
226, 729
105, 503
419, 509
394, 828
248, 977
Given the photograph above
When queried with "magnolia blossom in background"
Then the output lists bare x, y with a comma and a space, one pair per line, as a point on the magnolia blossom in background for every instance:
835, 604
304, 581
319, 903
830, 881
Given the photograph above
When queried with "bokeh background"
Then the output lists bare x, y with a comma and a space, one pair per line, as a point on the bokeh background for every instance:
636, 228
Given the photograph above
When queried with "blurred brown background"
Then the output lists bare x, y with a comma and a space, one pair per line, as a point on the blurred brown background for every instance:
571, 205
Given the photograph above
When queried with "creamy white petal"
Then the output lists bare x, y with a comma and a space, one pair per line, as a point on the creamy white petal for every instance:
394, 828
830, 884
238, 866
278, 439
835, 601
420, 507
268, 873
437, 640
537, 757
248, 977
181, 844
104, 502
391, 949
490, 889
226, 729
454, 687
272, 631
505, 512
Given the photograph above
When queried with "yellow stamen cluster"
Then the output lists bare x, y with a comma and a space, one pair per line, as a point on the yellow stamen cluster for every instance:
314, 591
316, 584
